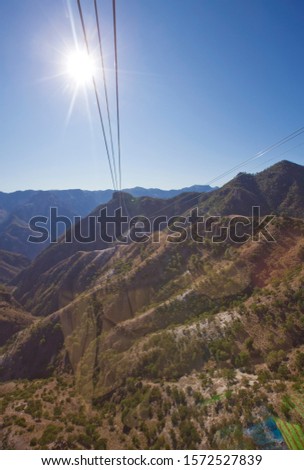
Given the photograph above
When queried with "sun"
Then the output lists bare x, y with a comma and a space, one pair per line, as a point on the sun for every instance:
80, 67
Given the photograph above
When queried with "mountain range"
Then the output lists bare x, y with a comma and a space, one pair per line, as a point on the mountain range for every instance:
162, 345
17, 208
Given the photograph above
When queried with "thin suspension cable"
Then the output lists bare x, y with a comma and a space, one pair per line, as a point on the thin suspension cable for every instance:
261, 153
96, 93
280, 155
105, 88
268, 149
117, 91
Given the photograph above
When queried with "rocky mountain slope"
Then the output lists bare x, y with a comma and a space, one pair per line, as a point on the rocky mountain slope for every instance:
236, 197
11, 264
165, 345
13, 318
279, 188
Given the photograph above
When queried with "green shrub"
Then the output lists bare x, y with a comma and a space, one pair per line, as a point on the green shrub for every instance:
49, 434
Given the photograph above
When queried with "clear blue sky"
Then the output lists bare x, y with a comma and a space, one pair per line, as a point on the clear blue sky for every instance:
204, 84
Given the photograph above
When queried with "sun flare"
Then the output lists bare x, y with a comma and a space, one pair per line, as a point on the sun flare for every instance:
80, 67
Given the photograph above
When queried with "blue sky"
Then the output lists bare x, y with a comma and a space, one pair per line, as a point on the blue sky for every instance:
204, 85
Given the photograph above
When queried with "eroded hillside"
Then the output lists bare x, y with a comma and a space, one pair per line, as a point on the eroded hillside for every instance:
163, 345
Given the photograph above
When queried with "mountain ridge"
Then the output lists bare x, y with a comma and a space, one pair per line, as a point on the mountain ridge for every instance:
163, 345
17, 208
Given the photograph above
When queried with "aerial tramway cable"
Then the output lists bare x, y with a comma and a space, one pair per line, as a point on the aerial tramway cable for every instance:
268, 149
96, 94
105, 88
117, 92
